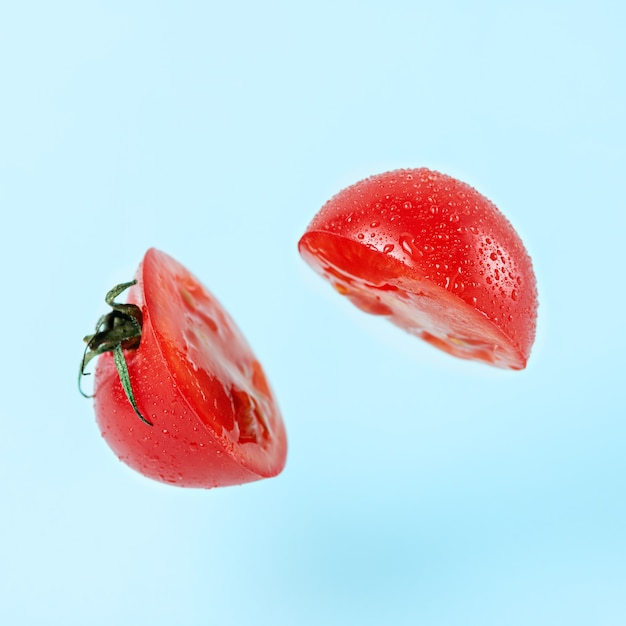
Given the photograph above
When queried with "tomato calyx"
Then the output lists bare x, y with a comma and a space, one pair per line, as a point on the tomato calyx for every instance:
118, 330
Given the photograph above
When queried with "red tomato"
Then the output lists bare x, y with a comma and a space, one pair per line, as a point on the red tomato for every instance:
435, 257
214, 419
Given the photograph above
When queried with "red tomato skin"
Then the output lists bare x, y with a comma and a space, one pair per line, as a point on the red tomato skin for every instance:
420, 232
196, 414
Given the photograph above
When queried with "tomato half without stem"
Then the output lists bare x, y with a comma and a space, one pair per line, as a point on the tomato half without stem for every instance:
208, 415
435, 257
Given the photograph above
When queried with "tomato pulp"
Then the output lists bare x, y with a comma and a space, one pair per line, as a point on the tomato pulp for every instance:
435, 257
214, 418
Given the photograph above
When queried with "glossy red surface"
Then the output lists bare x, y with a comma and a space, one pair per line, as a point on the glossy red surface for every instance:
435, 257
194, 376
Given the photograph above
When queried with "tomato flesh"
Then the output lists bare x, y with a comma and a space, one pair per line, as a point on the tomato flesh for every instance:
433, 256
194, 376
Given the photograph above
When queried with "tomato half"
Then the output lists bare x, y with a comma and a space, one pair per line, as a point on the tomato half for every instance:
435, 257
214, 419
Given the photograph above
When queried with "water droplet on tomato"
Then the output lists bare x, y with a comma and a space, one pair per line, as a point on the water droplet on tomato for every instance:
361, 236
514, 295
406, 244
388, 248
374, 224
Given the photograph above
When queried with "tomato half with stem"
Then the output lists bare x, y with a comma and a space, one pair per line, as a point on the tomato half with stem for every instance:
435, 257
196, 409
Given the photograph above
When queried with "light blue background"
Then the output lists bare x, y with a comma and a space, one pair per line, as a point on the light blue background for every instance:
419, 489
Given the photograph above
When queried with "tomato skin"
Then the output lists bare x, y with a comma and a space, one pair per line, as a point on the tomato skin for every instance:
215, 419
435, 257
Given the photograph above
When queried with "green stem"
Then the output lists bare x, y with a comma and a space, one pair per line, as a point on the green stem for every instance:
116, 331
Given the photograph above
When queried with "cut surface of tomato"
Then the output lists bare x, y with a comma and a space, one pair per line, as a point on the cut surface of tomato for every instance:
435, 257
215, 421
